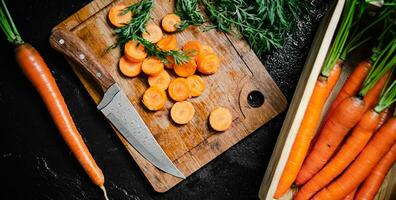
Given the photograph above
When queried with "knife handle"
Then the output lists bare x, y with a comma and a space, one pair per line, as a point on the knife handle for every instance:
71, 46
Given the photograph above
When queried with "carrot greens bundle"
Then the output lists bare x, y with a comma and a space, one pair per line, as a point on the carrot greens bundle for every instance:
263, 23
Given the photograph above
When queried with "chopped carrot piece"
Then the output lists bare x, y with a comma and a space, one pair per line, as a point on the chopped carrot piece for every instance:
116, 18
154, 98
161, 81
197, 85
168, 43
152, 66
170, 23
206, 49
170, 63
128, 68
153, 33
182, 112
179, 89
220, 119
208, 64
186, 69
134, 51
193, 48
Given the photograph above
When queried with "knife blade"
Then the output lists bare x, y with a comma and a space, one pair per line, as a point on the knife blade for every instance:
115, 104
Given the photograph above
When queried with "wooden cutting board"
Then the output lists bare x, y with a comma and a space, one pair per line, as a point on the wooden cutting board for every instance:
193, 145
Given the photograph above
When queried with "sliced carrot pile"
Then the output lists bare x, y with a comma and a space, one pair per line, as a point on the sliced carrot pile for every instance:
186, 69
161, 81
179, 89
152, 66
208, 63
153, 33
197, 85
134, 51
193, 48
170, 23
116, 18
168, 43
220, 119
154, 98
128, 68
182, 112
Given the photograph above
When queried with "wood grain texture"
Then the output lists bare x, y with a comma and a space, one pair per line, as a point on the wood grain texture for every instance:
193, 145
299, 104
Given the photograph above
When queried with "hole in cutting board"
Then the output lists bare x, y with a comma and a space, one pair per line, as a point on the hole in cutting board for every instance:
255, 99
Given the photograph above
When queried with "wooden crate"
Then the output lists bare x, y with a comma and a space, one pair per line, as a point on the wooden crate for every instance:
297, 108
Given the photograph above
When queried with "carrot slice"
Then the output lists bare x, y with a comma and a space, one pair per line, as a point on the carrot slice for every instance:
161, 81
179, 89
168, 43
220, 119
116, 18
197, 85
206, 49
193, 48
170, 63
208, 64
170, 23
134, 51
153, 33
182, 112
186, 69
128, 68
154, 98
152, 66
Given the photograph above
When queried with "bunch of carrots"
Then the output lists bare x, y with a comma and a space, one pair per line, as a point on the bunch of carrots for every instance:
187, 84
354, 147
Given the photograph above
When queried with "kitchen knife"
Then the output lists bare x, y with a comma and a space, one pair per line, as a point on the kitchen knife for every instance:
115, 105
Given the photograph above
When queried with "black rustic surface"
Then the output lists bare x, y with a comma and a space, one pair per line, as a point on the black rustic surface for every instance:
36, 163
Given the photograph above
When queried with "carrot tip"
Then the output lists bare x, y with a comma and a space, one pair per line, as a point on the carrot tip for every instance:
102, 187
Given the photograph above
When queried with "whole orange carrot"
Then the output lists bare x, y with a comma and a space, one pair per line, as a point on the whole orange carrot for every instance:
37, 71
322, 89
373, 182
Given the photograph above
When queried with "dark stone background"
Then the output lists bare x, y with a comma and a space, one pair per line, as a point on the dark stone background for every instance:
36, 163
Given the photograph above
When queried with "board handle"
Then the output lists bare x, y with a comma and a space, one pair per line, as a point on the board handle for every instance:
75, 49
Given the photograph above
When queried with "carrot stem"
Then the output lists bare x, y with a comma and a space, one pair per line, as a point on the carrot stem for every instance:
8, 24
387, 99
385, 62
341, 38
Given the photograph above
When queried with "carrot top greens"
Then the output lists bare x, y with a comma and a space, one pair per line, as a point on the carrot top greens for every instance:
7, 25
189, 13
263, 23
385, 62
388, 97
336, 48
